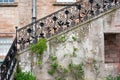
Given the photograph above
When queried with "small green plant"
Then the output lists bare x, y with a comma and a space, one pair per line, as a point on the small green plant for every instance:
38, 62
118, 77
109, 78
75, 49
51, 71
76, 71
65, 70
54, 65
53, 58
56, 69
24, 76
95, 68
19, 75
74, 38
59, 72
39, 47
112, 78
74, 52
94, 65
61, 39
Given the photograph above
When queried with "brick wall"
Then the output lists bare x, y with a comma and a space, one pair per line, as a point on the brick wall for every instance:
20, 14
8, 19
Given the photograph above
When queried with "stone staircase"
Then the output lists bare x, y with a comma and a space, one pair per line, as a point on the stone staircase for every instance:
52, 25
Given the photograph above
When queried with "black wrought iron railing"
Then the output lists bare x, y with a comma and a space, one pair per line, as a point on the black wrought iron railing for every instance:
63, 19
8, 65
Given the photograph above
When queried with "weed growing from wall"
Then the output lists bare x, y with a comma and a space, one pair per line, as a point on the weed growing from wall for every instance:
96, 68
74, 52
53, 65
19, 75
59, 72
56, 70
74, 38
113, 78
76, 71
39, 48
24, 76
61, 38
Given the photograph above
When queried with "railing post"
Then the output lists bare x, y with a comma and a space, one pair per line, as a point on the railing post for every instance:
16, 37
17, 59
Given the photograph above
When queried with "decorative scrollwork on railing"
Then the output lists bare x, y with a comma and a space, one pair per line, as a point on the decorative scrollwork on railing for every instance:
63, 19
7, 67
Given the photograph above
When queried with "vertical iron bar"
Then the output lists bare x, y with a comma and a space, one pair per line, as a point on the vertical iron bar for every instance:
103, 4
16, 37
79, 16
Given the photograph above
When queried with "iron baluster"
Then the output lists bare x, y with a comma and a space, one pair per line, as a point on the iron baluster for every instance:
66, 13
54, 26
79, 8
41, 33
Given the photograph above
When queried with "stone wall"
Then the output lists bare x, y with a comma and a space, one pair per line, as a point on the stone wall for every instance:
83, 44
